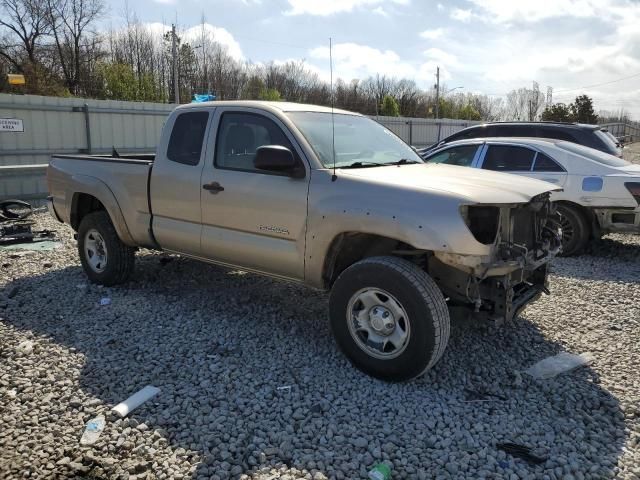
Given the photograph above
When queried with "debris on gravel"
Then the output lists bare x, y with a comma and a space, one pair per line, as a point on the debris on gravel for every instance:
252, 385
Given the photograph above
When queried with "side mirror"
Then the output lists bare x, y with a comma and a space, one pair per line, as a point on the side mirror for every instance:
276, 158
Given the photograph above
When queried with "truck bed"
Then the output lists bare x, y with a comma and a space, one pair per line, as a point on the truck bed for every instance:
121, 182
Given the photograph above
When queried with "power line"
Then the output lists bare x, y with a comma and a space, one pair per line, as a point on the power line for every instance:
599, 84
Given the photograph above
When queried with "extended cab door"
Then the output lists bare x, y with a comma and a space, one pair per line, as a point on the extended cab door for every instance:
252, 218
174, 187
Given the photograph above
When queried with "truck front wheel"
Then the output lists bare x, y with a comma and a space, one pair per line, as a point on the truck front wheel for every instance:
105, 259
389, 318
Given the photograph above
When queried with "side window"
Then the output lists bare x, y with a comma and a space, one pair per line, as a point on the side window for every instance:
558, 134
240, 135
507, 158
185, 142
461, 156
467, 133
545, 164
513, 131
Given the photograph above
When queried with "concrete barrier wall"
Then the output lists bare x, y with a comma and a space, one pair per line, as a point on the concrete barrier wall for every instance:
33, 127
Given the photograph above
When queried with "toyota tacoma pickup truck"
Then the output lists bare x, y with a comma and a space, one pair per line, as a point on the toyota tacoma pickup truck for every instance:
330, 199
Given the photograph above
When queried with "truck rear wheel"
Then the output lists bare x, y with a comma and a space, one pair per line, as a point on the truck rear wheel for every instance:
389, 318
575, 230
105, 259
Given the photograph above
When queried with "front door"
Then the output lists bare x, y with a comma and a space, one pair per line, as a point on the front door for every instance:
251, 218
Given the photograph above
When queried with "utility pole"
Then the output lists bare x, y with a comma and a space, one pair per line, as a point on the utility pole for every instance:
437, 92
174, 58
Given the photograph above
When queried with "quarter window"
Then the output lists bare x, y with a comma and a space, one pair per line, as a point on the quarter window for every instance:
545, 164
508, 158
185, 142
240, 135
462, 156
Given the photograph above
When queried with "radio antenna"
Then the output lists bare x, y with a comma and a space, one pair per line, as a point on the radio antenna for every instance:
334, 177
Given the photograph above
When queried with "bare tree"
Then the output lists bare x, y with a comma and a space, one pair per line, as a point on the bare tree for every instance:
70, 22
524, 104
24, 23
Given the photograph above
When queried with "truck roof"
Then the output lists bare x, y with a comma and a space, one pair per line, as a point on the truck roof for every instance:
282, 106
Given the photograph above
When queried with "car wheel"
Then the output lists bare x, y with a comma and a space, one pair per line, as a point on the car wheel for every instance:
105, 259
389, 318
575, 230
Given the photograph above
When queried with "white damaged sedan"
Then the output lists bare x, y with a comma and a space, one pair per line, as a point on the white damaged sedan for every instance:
601, 192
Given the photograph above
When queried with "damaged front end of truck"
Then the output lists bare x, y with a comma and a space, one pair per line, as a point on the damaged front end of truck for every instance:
522, 240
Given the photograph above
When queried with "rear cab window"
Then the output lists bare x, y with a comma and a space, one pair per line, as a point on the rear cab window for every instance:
187, 136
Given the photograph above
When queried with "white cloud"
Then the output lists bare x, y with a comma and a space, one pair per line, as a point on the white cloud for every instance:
380, 11
433, 34
440, 7
443, 58
329, 7
351, 60
461, 15
193, 35
534, 10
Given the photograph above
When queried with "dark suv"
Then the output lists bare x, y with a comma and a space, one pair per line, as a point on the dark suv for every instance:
592, 136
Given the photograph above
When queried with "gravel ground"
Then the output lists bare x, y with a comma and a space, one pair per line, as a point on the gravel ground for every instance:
253, 386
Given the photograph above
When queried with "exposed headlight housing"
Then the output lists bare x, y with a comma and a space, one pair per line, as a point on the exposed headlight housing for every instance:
482, 221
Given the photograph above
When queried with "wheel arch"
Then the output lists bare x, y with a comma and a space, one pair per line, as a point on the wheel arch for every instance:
94, 195
347, 248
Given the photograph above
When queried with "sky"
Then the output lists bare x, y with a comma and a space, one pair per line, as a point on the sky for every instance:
484, 46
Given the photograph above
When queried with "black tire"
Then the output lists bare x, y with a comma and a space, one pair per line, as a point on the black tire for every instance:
119, 259
575, 230
415, 292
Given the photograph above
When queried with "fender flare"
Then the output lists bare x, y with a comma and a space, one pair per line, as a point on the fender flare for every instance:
85, 184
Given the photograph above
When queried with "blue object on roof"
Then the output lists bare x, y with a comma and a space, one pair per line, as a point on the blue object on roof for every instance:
199, 98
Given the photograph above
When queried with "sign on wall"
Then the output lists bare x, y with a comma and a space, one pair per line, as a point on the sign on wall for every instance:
11, 125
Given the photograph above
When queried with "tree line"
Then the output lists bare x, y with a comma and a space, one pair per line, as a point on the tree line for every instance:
58, 47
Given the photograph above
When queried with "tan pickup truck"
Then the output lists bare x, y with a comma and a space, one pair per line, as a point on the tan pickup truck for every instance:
334, 201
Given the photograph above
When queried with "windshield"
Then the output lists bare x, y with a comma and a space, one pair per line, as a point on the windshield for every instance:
359, 141
593, 154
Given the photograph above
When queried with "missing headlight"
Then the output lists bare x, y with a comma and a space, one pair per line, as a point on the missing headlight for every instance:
482, 221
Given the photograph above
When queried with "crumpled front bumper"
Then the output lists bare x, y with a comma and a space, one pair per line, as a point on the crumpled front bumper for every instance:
514, 272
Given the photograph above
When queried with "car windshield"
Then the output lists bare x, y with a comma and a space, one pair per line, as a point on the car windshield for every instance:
593, 154
359, 141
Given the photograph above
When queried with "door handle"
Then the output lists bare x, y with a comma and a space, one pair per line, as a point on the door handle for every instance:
550, 180
213, 187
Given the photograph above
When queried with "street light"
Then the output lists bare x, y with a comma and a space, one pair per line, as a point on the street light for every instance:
451, 90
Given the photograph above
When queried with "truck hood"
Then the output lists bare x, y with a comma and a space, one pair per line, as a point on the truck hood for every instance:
474, 185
